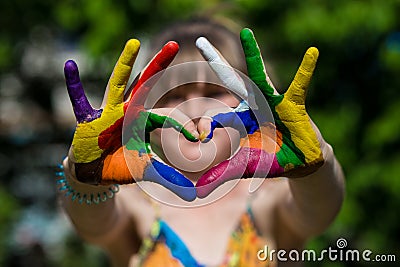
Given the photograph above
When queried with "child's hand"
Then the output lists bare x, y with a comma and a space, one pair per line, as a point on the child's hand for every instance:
97, 152
296, 150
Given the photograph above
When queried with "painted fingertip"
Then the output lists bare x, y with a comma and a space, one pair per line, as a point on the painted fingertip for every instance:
313, 51
203, 137
191, 136
172, 47
249, 43
70, 65
214, 124
207, 49
130, 52
208, 137
168, 53
163, 58
71, 72
210, 180
132, 44
202, 43
205, 190
246, 33
196, 135
310, 59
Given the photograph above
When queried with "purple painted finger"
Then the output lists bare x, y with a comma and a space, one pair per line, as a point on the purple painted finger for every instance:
247, 163
82, 108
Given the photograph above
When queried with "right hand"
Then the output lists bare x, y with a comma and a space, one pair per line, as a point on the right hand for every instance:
97, 154
289, 146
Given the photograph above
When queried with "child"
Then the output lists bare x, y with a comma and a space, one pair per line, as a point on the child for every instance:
138, 228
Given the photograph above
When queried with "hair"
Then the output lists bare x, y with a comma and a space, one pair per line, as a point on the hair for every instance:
186, 32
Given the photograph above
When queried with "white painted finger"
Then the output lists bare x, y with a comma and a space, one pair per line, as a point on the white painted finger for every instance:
221, 68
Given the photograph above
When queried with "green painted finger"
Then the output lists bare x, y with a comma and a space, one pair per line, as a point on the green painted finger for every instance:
298, 88
159, 121
255, 64
121, 73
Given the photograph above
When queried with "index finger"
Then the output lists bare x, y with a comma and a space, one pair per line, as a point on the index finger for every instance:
122, 71
221, 68
298, 88
158, 63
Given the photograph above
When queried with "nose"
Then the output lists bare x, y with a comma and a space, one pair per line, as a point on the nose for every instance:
194, 106
196, 120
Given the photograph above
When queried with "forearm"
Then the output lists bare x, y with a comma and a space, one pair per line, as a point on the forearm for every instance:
315, 200
95, 222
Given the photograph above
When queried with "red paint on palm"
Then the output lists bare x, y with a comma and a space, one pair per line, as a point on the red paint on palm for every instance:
111, 138
132, 113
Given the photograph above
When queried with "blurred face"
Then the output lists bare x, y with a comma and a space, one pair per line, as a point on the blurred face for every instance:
193, 105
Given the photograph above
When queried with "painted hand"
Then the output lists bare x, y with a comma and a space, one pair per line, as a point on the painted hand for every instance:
289, 146
97, 152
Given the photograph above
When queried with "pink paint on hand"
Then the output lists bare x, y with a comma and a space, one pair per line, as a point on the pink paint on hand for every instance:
247, 163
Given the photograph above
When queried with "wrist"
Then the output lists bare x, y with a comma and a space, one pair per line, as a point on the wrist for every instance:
327, 153
330, 166
82, 193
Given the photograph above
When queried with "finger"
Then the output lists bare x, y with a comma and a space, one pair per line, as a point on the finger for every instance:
221, 173
179, 116
128, 92
255, 65
155, 121
171, 179
245, 122
82, 108
298, 88
205, 129
221, 67
121, 73
247, 163
159, 62
204, 124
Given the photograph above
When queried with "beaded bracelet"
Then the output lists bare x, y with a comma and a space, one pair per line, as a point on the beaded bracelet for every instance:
89, 199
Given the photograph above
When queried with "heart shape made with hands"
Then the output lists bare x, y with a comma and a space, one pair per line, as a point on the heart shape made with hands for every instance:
193, 159
283, 144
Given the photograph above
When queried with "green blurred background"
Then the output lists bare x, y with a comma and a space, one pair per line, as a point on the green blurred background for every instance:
354, 99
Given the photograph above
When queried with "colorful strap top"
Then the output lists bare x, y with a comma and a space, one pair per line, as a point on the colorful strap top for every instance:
164, 247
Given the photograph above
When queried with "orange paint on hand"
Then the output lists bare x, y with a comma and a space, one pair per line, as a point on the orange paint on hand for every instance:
266, 138
115, 165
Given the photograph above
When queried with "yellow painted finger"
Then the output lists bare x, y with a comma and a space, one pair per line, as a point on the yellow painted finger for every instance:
121, 73
298, 88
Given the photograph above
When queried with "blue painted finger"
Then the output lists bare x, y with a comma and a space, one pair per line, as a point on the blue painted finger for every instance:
171, 179
245, 120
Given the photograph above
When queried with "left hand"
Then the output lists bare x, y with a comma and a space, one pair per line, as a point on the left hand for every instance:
97, 154
296, 150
